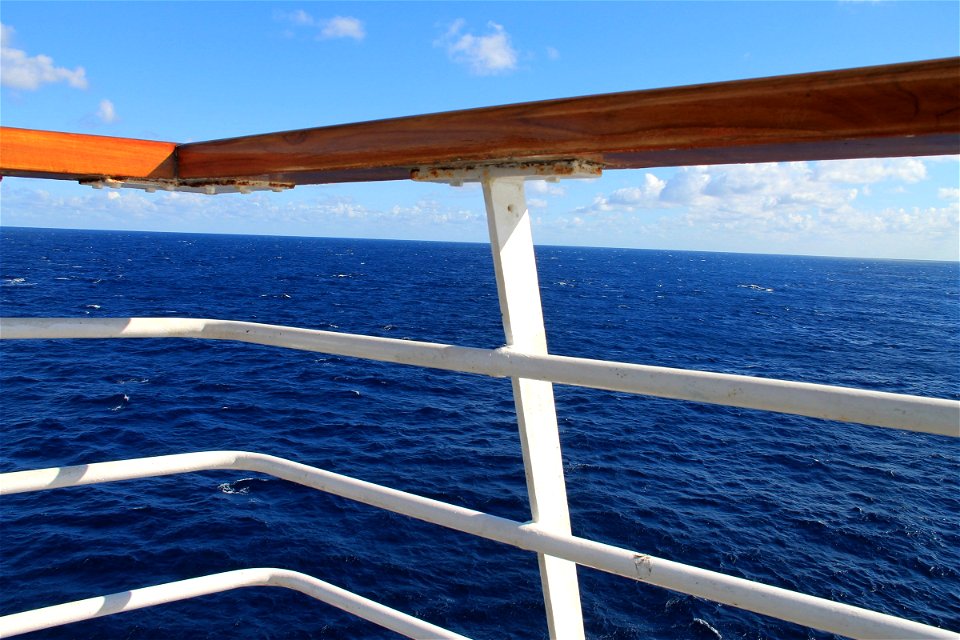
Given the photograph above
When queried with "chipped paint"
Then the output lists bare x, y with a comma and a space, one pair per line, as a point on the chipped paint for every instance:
546, 170
209, 187
643, 565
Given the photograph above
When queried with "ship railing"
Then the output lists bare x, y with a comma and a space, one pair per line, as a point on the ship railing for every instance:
844, 404
910, 109
929, 415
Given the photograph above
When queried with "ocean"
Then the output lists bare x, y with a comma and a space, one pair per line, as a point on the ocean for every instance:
861, 515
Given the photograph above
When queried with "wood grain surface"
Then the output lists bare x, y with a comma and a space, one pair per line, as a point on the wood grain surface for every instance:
49, 154
905, 109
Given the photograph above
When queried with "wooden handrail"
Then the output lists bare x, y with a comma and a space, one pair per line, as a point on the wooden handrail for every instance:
904, 109
29, 153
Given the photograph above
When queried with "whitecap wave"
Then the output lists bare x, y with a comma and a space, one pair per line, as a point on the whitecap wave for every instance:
755, 287
17, 282
123, 402
709, 627
239, 487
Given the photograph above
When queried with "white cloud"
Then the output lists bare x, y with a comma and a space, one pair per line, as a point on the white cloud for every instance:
755, 190
871, 170
949, 193
107, 113
632, 198
301, 17
552, 53
20, 71
180, 211
545, 188
820, 198
336, 27
929, 221
945, 158
488, 54
342, 27
298, 18
431, 212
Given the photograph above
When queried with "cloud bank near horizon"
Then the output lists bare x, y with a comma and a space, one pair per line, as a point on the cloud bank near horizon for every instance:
780, 207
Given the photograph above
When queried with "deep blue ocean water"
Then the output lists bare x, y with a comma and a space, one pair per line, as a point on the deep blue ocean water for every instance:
861, 515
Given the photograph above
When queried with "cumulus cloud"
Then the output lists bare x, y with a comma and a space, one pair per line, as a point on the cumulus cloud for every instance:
784, 198
300, 17
758, 189
632, 198
927, 221
432, 212
21, 71
330, 28
543, 187
342, 27
422, 212
872, 170
107, 113
487, 54
181, 211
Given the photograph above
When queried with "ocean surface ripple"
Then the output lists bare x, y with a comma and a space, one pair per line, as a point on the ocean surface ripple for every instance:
861, 515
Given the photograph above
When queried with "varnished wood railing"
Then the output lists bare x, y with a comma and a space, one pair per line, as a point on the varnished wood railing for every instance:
895, 110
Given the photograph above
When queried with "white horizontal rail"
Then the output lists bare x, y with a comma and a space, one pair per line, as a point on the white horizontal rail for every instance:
927, 415
779, 603
47, 617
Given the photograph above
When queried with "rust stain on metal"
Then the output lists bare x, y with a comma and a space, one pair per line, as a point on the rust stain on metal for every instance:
209, 186
574, 167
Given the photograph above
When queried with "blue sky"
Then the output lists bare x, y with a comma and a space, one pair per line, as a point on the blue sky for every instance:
186, 71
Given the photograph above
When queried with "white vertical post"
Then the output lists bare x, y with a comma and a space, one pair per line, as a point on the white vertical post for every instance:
518, 288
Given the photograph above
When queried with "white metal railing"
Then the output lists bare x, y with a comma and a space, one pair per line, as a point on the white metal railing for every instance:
780, 603
844, 404
47, 617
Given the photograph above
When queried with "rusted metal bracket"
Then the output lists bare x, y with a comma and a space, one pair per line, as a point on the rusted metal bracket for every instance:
209, 187
551, 171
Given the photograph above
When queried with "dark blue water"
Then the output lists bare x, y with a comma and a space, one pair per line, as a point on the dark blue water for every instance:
861, 515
